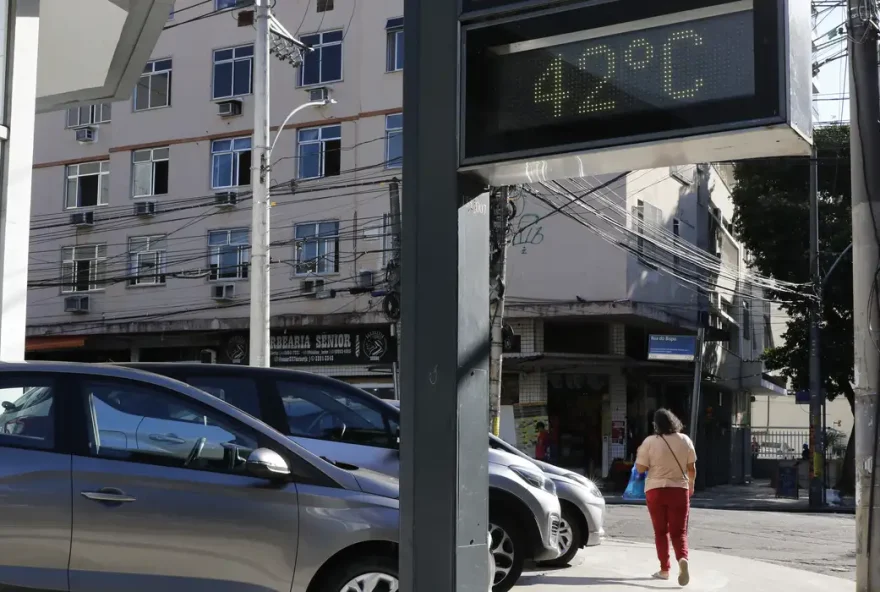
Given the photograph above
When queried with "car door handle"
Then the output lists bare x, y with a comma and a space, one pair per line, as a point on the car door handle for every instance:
167, 438
108, 494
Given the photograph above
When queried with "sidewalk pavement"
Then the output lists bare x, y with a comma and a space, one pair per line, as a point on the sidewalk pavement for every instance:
617, 566
757, 496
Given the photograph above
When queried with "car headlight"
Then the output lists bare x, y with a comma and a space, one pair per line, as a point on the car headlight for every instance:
535, 478
591, 487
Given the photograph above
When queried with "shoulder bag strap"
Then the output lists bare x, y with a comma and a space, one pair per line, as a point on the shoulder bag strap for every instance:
683, 473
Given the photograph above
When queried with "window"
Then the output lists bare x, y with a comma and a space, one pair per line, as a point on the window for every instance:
394, 47
147, 260
88, 184
149, 172
28, 413
88, 115
224, 4
320, 151
646, 219
240, 392
233, 71
319, 411
228, 253
153, 90
324, 5
324, 64
230, 163
140, 423
82, 268
317, 247
394, 141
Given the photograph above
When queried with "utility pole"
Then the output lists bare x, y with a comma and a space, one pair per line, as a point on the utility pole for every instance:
698, 378
392, 271
498, 209
817, 441
864, 156
259, 271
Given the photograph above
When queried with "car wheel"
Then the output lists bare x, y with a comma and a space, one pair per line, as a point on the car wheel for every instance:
365, 574
571, 538
508, 550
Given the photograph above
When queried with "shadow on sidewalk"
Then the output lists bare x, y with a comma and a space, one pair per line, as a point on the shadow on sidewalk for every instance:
643, 583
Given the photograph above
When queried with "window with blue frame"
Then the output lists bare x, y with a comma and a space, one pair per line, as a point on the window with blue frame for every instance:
394, 141
320, 151
233, 72
324, 64
230, 163
317, 247
394, 47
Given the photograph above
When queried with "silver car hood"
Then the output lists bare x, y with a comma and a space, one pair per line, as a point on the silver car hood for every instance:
376, 483
500, 457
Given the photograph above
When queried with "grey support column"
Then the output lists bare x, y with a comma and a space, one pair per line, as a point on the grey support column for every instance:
445, 315
21, 27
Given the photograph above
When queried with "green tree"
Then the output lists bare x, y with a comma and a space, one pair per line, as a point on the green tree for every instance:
772, 209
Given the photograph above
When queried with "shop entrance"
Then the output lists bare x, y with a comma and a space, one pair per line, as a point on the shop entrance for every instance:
575, 409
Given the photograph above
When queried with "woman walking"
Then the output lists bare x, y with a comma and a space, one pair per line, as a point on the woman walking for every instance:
671, 461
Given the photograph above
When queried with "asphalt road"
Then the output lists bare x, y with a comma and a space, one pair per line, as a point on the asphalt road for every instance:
821, 543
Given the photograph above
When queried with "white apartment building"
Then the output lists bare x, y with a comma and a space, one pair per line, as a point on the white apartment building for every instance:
140, 241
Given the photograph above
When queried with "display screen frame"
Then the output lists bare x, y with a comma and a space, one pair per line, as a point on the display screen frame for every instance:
481, 142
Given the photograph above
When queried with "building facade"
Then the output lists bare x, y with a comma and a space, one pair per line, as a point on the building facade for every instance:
140, 242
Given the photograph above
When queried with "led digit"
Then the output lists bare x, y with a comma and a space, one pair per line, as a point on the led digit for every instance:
668, 77
631, 57
591, 105
557, 94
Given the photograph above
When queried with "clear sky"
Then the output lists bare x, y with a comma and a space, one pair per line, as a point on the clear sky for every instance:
833, 79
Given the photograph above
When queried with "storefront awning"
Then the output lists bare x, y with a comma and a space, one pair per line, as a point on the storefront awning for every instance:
52, 343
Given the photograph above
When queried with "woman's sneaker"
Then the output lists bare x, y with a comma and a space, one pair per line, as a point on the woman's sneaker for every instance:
684, 575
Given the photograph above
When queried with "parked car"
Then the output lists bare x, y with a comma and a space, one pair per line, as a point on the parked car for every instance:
583, 506
341, 422
116, 479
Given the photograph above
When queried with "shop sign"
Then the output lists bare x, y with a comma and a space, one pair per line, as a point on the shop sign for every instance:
677, 348
349, 345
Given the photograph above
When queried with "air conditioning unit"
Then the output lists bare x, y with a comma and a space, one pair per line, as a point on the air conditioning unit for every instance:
229, 108
307, 287
145, 208
226, 199
366, 279
321, 93
322, 292
86, 135
83, 219
78, 304
208, 356
223, 292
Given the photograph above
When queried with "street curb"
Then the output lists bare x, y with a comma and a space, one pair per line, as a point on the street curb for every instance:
744, 507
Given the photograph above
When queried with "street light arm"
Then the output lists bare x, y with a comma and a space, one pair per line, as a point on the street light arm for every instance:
320, 103
835, 264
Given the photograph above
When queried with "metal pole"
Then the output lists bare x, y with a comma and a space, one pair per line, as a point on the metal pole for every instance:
259, 270
444, 484
698, 377
497, 277
864, 156
394, 222
817, 489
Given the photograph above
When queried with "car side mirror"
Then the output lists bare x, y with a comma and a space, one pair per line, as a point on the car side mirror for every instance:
8, 405
267, 464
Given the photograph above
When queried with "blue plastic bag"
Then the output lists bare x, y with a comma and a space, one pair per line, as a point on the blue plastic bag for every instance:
635, 489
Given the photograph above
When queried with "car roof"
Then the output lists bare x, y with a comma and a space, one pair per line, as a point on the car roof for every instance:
241, 369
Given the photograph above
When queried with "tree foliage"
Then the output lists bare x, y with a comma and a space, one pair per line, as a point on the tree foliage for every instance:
772, 215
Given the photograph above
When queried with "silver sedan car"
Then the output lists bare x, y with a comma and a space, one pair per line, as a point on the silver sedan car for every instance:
95, 500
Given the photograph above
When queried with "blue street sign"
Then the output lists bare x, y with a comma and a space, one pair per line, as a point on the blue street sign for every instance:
677, 348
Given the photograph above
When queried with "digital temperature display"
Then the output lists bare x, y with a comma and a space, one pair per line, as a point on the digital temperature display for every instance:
597, 74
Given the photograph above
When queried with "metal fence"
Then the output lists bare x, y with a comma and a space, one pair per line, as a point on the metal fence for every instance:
788, 443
